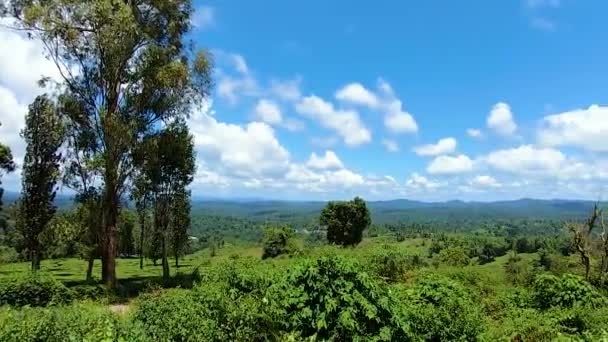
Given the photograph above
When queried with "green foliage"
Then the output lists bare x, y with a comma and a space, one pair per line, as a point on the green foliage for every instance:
442, 310
33, 290
43, 134
519, 271
276, 241
391, 263
345, 221
8, 255
454, 256
566, 291
81, 322
330, 298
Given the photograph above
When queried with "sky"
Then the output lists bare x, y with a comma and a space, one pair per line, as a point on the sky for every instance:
426, 100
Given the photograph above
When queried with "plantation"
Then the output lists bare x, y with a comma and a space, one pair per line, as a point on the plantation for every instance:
111, 235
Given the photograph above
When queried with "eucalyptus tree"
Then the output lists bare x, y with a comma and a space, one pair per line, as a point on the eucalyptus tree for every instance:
126, 66
170, 169
43, 135
180, 221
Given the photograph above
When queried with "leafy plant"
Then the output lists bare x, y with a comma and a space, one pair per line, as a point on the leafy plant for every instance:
330, 298
33, 290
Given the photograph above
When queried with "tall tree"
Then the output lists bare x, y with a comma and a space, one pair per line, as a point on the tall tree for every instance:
170, 172
126, 67
180, 222
345, 221
43, 135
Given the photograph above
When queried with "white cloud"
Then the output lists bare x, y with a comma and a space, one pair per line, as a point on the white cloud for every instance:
329, 161
417, 181
293, 125
443, 146
232, 88
244, 151
500, 119
485, 181
586, 128
450, 165
390, 145
395, 118
346, 123
474, 133
22, 64
527, 159
357, 94
286, 89
203, 17
268, 111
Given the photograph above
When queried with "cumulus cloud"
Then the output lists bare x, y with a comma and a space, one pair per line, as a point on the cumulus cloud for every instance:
328, 161
22, 64
390, 145
286, 89
346, 123
417, 181
450, 165
474, 133
250, 150
356, 93
268, 111
396, 119
443, 146
585, 128
485, 181
526, 159
500, 119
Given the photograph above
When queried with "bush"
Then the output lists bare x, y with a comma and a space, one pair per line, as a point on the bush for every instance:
330, 298
391, 264
568, 291
71, 323
276, 241
33, 290
454, 256
345, 221
519, 272
442, 310
8, 255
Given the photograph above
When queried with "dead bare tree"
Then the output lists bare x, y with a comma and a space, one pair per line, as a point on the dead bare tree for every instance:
604, 237
582, 239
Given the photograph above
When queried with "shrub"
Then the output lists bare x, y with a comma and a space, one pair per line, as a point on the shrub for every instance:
391, 264
442, 310
79, 322
33, 290
330, 298
519, 272
276, 241
454, 256
8, 255
566, 291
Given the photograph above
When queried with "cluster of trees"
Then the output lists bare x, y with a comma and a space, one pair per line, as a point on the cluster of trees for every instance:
116, 124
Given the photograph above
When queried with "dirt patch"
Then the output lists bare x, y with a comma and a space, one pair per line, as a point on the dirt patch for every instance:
120, 309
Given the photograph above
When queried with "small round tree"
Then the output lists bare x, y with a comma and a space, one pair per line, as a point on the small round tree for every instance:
345, 221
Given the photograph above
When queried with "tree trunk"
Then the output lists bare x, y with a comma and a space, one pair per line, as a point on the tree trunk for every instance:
142, 224
176, 260
35, 260
91, 263
108, 252
165, 259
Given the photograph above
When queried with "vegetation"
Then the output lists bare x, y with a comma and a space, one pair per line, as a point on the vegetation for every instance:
115, 133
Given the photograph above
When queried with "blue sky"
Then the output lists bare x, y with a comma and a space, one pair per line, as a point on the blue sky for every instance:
430, 100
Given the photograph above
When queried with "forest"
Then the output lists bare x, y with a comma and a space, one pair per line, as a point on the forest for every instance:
132, 254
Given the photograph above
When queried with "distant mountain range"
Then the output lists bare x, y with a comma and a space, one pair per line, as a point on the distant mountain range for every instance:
257, 208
